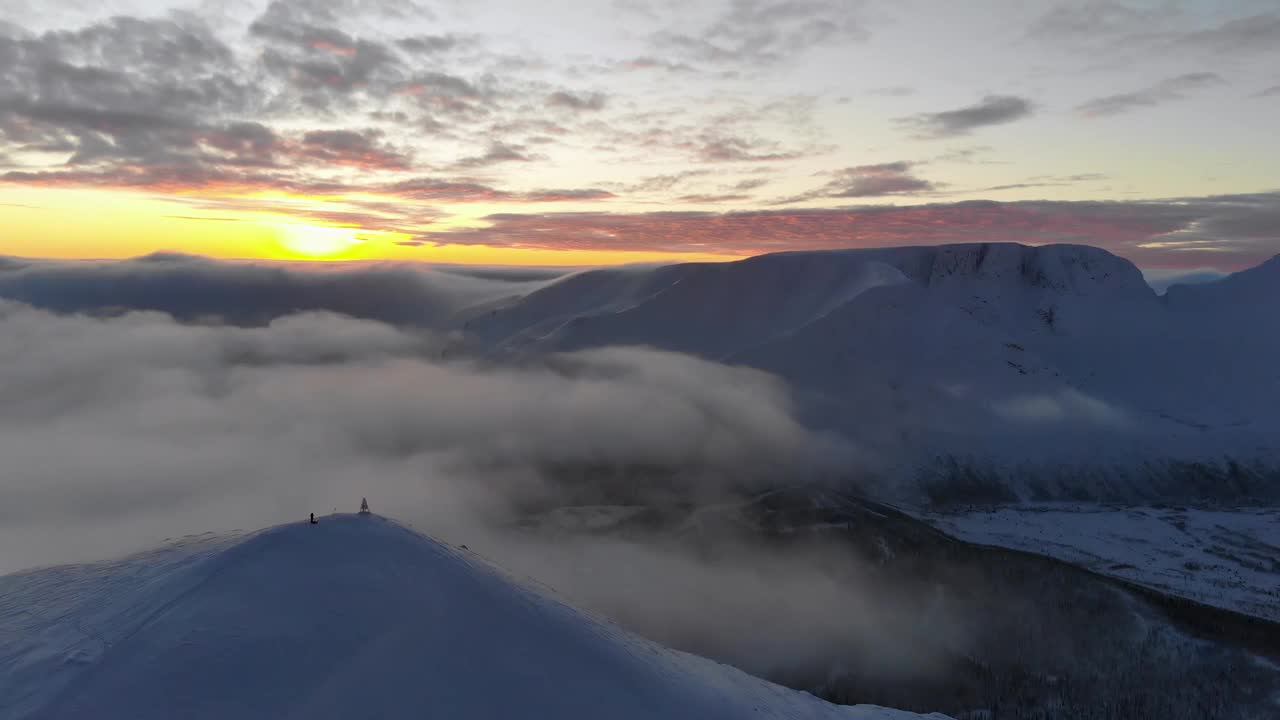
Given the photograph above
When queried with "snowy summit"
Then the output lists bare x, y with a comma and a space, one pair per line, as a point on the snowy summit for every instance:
356, 616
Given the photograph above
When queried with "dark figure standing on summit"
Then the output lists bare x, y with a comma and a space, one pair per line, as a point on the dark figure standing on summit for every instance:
313, 518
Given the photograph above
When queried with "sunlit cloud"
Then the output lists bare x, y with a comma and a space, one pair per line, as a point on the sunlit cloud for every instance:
1142, 231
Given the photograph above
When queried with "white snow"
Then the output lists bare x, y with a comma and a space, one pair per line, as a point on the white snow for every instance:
708, 309
1018, 358
1225, 558
356, 616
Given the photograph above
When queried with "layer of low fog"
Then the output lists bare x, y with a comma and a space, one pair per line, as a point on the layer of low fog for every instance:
254, 293
118, 428
120, 431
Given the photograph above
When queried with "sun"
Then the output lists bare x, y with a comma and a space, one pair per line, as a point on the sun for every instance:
317, 242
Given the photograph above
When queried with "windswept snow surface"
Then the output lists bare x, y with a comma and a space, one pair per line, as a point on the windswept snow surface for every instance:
356, 616
1225, 558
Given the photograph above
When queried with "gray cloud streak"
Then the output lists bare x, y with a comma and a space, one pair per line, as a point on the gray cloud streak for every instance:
1256, 34
876, 180
1132, 31
577, 102
764, 32
497, 153
991, 110
1174, 88
864, 181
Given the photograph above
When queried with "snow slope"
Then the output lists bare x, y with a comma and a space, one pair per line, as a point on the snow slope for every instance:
1247, 292
713, 309
1228, 558
708, 309
354, 617
1008, 357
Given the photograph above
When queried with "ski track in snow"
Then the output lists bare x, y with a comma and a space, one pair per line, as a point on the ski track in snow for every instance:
1226, 558
353, 617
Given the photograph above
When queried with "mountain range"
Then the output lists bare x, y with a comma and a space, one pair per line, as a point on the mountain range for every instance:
1043, 371
954, 373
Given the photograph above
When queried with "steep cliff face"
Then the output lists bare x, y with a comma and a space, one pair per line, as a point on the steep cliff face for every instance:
1078, 269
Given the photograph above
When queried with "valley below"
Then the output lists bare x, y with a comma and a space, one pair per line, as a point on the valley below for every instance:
981, 625
1224, 557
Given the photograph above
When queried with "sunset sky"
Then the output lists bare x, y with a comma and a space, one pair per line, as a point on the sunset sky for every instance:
598, 131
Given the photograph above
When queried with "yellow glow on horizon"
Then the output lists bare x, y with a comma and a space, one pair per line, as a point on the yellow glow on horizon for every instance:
490, 255
63, 223
318, 242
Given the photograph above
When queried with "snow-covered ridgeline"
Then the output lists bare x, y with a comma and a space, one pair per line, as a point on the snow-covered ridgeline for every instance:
1000, 358
355, 616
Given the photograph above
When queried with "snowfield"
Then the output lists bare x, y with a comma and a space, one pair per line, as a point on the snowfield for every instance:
1225, 558
356, 616
1054, 372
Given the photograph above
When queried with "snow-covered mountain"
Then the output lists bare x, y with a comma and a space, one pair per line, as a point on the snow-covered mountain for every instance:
717, 309
1011, 359
1248, 292
356, 616
708, 309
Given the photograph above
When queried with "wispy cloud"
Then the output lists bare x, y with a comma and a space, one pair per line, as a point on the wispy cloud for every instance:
577, 102
1165, 29
718, 148
1255, 34
763, 32
893, 91
1041, 181
1174, 88
497, 153
991, 110
1101, 20
865, 181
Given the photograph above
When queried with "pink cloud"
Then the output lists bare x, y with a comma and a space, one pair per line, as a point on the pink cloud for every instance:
1132, 230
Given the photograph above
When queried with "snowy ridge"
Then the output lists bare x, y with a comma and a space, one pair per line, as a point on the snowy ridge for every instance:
1246, 291
708, 309
755, 300
354, 617
1006, 358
